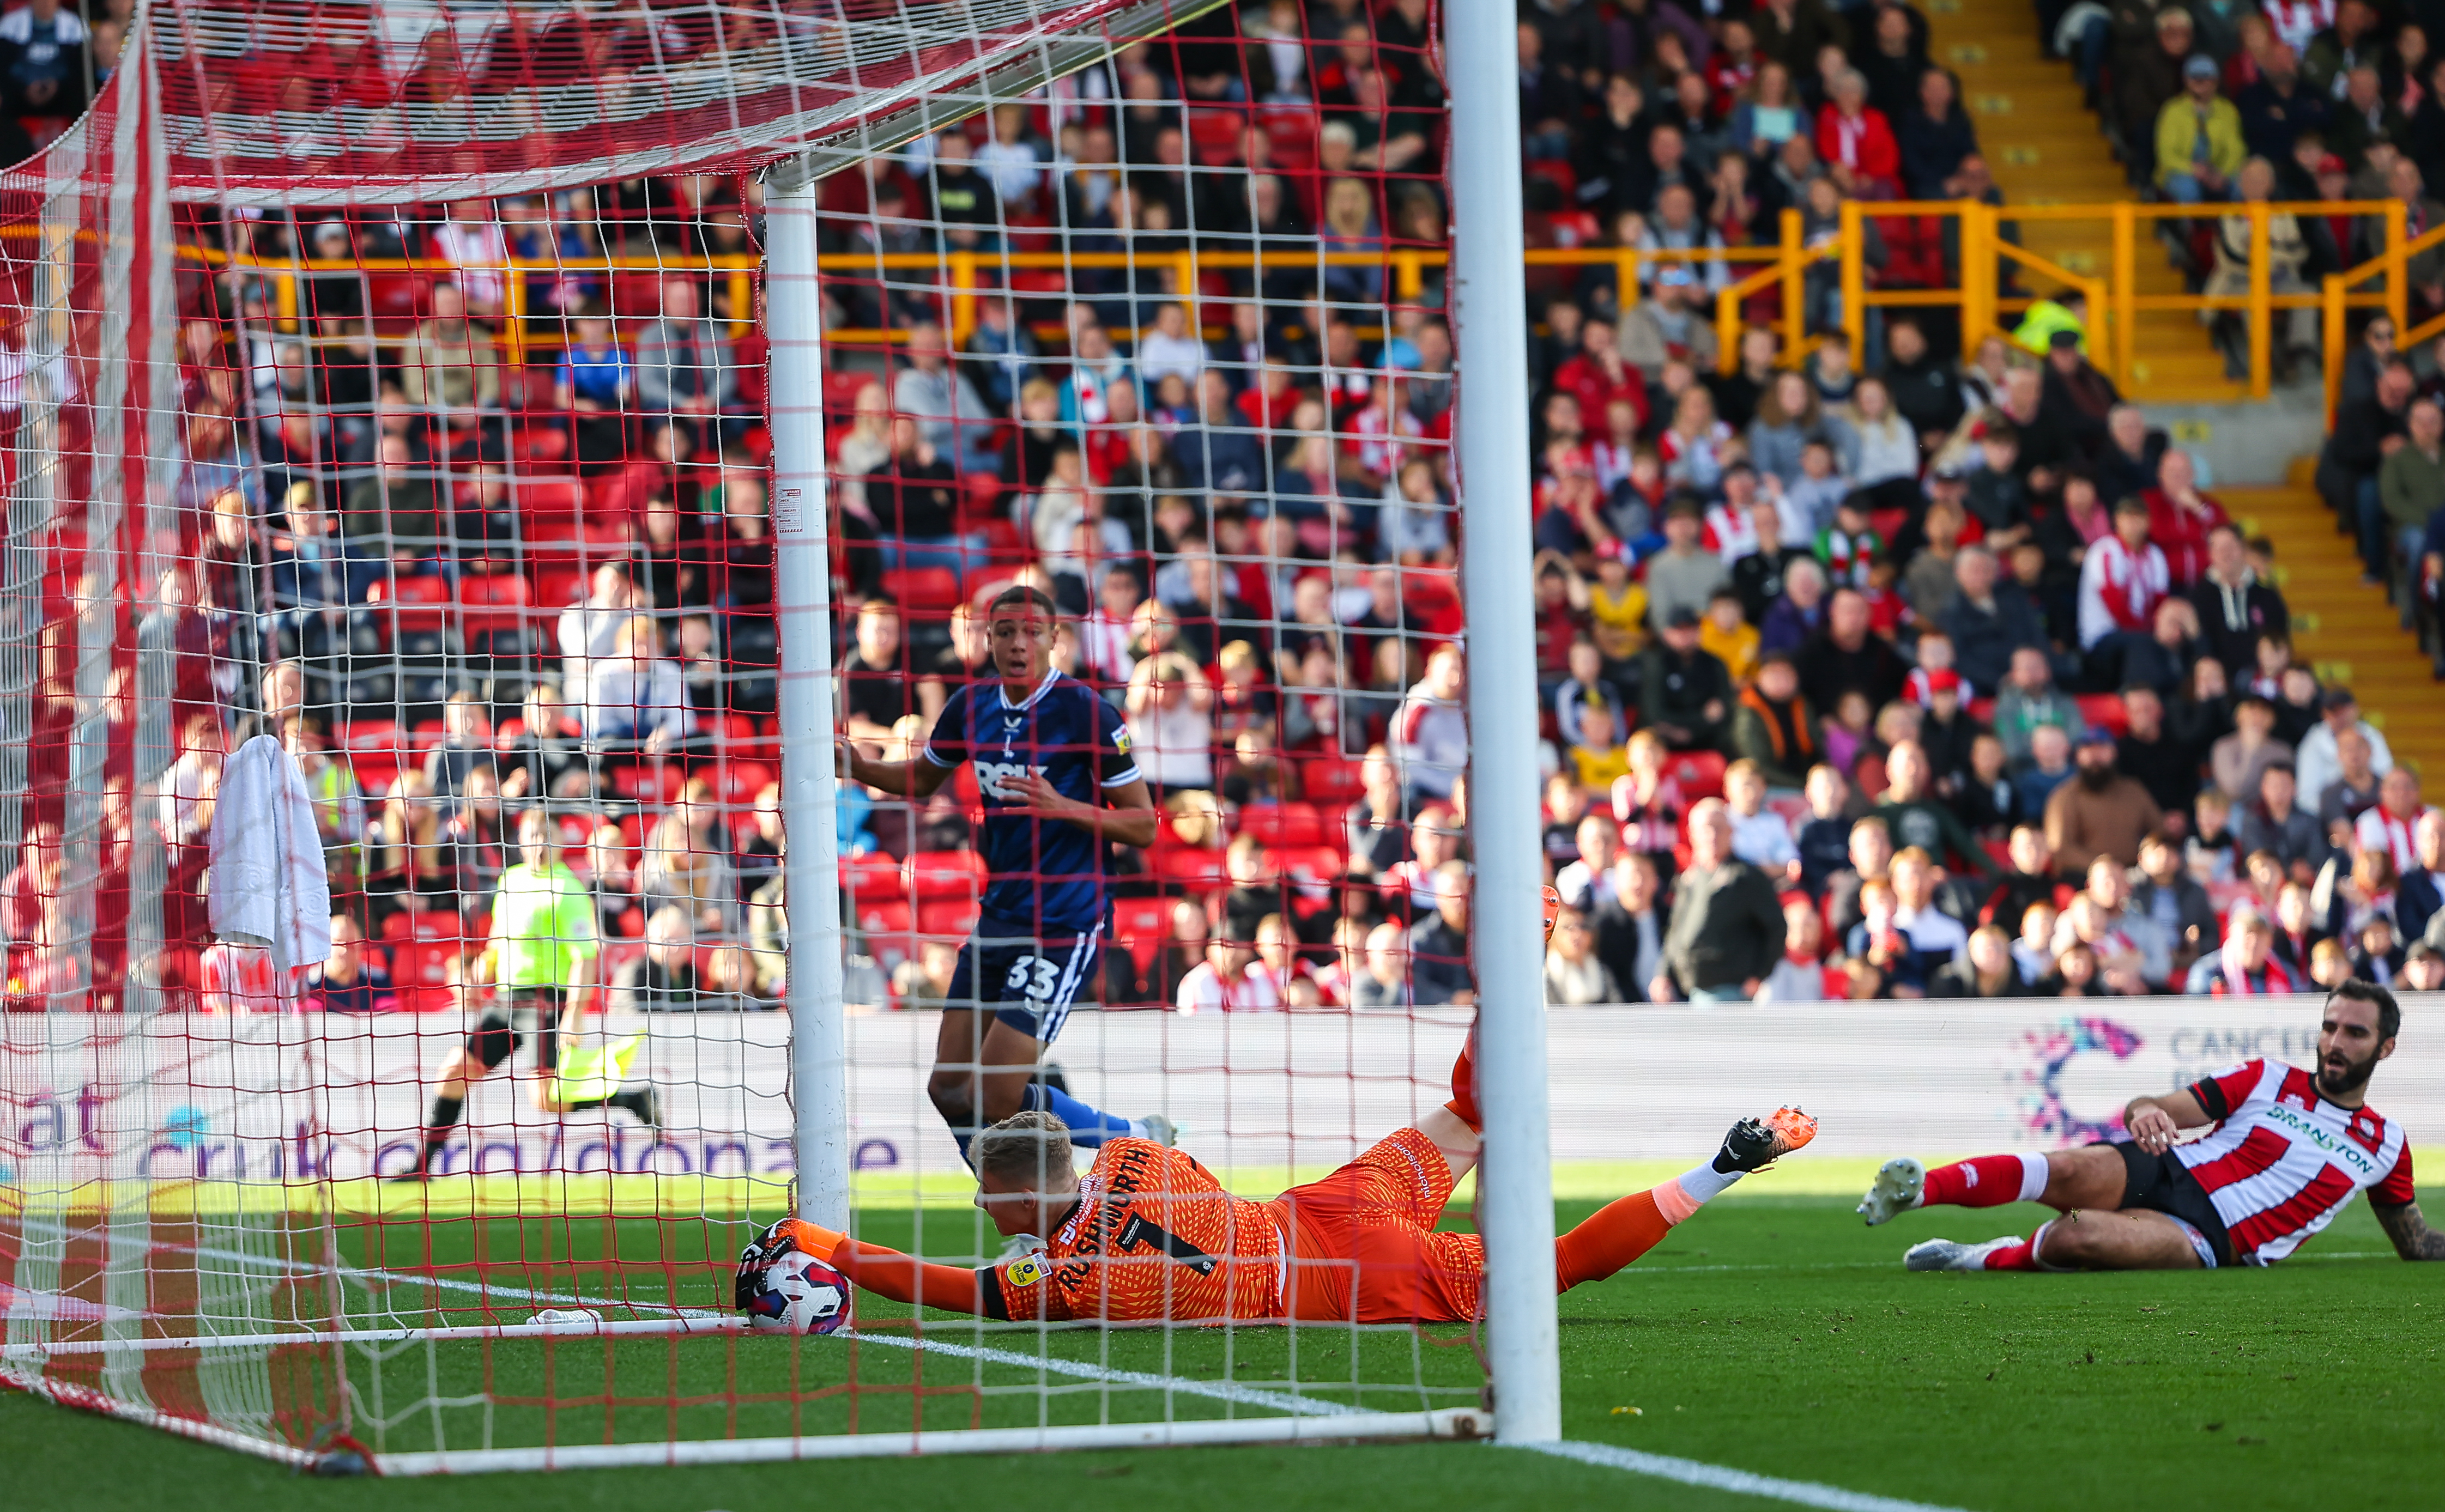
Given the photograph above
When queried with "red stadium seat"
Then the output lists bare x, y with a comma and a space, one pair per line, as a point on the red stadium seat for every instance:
872, 877
2105, 709
1190, 868
547, 498
491, 601
937, 874
1313, 862
950, 919
1699, 773
1139, 926
1283, 824
741, 780
1331, 780
418, 602
923, 590
418, 963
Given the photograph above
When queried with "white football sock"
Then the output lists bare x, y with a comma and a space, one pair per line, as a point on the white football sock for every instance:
2033, 1177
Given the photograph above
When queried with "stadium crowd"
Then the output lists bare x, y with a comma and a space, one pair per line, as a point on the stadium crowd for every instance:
1864, 673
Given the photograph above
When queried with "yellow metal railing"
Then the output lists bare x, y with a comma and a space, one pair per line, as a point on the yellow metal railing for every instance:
1979, 295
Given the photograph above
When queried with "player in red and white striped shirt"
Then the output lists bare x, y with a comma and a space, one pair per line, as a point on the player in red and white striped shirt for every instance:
2286, 1149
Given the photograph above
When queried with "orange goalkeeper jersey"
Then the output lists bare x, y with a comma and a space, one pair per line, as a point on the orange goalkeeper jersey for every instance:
1153, 1236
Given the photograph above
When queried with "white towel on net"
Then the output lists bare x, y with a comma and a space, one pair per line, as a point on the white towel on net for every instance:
268, 884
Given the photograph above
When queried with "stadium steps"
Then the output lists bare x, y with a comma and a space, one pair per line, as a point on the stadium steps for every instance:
2044, 148
2347, 633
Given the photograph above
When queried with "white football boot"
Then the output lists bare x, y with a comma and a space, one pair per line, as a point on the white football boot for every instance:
1953, 1255
1896, 1189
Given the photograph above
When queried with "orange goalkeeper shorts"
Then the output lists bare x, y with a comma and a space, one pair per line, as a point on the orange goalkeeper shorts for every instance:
1363, 1242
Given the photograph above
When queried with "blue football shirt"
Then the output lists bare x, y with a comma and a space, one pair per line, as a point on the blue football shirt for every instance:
1048, 874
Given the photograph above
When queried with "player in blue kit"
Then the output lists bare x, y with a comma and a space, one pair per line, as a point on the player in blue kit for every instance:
1054, 766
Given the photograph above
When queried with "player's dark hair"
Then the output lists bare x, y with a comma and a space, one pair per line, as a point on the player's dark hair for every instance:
2389, 1013
1024, 1149
1020, 594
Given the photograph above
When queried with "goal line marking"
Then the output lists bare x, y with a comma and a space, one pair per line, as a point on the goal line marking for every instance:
1723, 1478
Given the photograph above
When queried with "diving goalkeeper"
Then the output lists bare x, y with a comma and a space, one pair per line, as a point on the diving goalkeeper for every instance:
1148, 1234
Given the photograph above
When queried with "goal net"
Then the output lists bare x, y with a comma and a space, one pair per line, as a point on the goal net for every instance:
413, 486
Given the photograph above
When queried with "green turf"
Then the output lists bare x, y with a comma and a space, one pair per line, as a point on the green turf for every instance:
1773, 1335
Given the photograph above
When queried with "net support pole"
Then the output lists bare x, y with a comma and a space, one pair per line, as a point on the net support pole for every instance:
1489, 319
810, 791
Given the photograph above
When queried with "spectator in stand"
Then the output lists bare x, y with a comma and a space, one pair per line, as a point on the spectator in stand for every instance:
2411, 487
636, 695
1684, 692
1728, 926
1377, 834
2101, 811
1170, 707
2274, 824
1986, 622
466, 744
1856, 141
1668, 327
2123, 578
1429, 734
1912, 817
43, 62
2179, 518
1384, 981
663, 978
1438, 945
1576, 976
2318, 756
1847, 655
543, 760
1773, 726
915, 499
2166, 766
588, 628
35, 884
2198, 141
884, 678
2236, 606
951, 416
2367, 431
593, 387
2352, 793
449, 364
1934, 135
2237, 760
1684, 575
350, 982
685, 369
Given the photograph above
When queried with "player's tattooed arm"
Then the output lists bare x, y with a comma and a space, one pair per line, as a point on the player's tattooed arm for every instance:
2413, 1239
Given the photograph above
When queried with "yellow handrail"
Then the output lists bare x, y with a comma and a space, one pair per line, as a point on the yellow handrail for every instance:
2394, 264
2114, 300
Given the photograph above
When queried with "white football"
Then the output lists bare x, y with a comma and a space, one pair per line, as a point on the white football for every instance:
799, 1294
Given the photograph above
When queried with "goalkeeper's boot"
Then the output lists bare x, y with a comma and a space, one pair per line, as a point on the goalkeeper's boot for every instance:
1898, 1185
1757, 1142
1162, 1130
1952, 1255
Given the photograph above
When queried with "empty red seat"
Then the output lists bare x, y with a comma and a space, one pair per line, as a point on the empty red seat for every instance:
2105, 709
921, 590
1700, 774
421, 963
1139, 926
950, 919
547, 498
488, 602
1292, 825
419, 602
935, 874
1329, 781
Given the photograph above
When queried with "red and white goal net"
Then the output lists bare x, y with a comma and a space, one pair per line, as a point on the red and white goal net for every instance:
392, 774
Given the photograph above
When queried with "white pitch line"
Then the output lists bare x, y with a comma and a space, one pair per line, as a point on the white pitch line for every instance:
1723, 1478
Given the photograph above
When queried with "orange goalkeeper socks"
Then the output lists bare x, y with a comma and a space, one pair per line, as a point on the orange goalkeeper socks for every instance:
1616, 1234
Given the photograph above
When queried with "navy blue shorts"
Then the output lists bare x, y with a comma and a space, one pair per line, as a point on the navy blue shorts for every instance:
1027, 983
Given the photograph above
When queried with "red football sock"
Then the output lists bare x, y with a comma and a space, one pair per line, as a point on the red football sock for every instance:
1990, 1181
1463, 1086
2020, 1257
1611, 1237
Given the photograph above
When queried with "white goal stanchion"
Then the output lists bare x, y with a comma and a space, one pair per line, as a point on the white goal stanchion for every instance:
493, 438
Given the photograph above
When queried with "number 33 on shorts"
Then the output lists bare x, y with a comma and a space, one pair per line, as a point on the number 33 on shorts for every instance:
1033, 977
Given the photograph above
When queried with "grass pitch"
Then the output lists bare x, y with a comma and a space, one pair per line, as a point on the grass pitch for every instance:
1773, 1335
